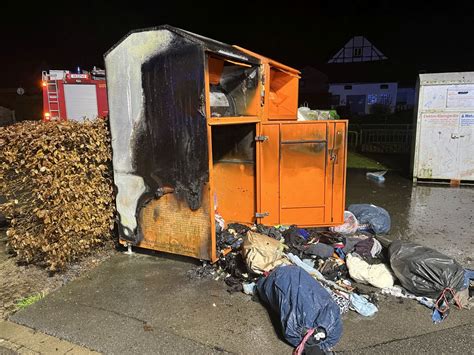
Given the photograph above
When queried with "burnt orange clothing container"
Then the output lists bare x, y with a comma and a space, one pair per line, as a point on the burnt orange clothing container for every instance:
200, 127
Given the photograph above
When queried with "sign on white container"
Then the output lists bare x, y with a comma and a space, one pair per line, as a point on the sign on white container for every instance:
444, 146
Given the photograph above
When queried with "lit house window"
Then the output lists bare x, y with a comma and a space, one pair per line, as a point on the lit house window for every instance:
371, 99
384, 99
357, 52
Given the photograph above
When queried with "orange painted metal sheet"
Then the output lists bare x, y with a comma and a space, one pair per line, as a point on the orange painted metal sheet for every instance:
309, 158
329, 173
309, 131
269, 151
215, 70
234, 188
302, 175
169, 225
303, 216
339, 166
303, 172
283, 95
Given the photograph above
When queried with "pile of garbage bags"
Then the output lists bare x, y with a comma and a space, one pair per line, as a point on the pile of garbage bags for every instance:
311, 277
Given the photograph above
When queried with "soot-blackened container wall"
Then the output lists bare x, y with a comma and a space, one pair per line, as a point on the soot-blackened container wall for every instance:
159, 140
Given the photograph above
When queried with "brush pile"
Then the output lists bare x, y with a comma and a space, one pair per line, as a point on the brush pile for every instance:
57, 191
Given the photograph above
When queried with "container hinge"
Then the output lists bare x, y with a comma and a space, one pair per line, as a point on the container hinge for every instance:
261, 138
261, 215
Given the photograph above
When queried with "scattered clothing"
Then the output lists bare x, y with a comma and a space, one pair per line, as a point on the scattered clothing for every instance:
362, 305
376, 248
319, 249
468, 276
309, 262
272, 232
378, 275
220, 223
400, 292
238, 228
342, 300
303, 233
234, 284
249, 288
314, 273
364, 247
334, 269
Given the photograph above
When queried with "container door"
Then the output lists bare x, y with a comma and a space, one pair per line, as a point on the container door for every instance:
305, 197
302, 173
268, 183
438, 146
337, 165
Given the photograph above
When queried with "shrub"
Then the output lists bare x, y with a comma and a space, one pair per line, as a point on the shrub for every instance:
56, 178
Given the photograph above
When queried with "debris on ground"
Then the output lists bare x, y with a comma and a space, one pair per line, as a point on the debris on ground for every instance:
377, 176
311, 277
56, 179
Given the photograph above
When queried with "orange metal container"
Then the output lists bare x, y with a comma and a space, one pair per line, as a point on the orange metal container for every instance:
263, 166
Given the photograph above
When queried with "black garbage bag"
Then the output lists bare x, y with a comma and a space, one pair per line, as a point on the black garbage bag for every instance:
376, 217
424, 271
302, 304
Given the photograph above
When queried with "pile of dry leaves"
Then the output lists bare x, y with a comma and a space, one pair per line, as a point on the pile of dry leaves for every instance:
56, 178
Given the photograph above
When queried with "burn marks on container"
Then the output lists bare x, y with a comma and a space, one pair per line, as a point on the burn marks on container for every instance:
171, 150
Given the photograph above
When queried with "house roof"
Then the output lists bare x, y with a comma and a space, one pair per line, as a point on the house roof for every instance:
357, 49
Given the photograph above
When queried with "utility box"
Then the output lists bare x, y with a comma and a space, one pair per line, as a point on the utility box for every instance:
201, 128
444, 143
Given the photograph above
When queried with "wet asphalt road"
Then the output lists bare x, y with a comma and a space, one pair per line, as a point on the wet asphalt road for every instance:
440, 217
144, 304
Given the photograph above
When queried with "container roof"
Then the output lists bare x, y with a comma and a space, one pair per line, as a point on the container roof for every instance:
210, 45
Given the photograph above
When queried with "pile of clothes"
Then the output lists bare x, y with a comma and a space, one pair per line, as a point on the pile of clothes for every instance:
310, 277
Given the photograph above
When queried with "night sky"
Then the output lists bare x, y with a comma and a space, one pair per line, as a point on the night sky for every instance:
64, 37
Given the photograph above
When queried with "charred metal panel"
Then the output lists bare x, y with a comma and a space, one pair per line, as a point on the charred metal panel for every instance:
156, 92
171, 150
127, 119
210, 45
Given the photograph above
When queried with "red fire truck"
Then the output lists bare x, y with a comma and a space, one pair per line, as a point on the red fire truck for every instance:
74, 96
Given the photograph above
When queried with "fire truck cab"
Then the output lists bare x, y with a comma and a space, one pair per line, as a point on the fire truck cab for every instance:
74, 96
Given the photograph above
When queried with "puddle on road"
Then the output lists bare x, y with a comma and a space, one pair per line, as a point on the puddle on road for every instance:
440, 217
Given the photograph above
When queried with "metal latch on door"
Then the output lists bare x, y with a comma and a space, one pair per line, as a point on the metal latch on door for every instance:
261, 215
261, 138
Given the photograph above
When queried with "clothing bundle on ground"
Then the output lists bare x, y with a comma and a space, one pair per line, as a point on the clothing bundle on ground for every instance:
311, 277
302, 304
